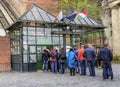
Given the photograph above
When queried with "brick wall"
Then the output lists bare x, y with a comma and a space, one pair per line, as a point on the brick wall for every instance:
48, 5
5, 59
21, 6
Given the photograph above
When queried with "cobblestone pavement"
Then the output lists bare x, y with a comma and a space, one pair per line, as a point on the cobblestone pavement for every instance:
48, 79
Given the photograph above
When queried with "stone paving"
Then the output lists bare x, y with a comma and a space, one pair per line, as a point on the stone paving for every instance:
48, 79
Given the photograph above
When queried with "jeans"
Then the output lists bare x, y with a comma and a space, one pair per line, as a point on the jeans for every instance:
45, 64
83, 67
91, 67
79, 66
62, 66
107, 70
54, 66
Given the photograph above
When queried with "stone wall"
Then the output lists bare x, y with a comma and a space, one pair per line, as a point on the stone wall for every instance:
116, 30
112, 21
5, 59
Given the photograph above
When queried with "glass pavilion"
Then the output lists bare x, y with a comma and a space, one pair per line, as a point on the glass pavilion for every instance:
37, 30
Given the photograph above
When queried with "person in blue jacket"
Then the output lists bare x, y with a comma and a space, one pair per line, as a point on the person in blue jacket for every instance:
71, 61
106, 57
90, 55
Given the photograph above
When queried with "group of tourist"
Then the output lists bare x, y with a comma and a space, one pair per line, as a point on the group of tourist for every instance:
78, 59
54, 60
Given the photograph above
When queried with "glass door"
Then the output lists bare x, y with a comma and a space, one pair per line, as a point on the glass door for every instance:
39, 49
32, 66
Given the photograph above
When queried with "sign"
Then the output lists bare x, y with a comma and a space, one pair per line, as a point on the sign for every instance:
68, 41
44, 41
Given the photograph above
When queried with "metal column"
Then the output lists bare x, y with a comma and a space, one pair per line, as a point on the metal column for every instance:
71, 40
103, 38
64, 42
21, 49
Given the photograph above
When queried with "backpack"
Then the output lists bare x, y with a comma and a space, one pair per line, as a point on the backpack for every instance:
63, 55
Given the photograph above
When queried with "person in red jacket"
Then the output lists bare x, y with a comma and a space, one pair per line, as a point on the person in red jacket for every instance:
82, 60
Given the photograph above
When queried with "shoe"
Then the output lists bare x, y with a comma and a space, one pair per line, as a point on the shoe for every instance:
111, 78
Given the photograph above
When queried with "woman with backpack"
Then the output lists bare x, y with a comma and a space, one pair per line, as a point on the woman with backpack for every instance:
62, 60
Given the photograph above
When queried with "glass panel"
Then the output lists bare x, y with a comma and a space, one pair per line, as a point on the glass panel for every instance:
45, 16
77, 21
39, 53
25, 48
39, 49
88, 21
32, 49
61, 40
29, 16
31, 39
40, 32
51, 17
33, 58
24, 39
24, 30
38, 16
43, 47
93, 21
25, 58
47, 31
55, 40
31, 30
83, 22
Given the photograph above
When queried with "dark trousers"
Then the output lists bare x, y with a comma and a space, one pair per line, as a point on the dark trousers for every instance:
72, 71
91, 67
62, 68
83, 67
107, 69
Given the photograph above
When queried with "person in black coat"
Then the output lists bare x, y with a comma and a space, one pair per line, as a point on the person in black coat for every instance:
106, 56
62, 60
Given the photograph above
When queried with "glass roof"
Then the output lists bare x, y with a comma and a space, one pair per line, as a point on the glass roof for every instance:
85, 22
37, 14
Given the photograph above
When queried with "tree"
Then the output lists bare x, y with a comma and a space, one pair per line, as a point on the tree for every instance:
91, 6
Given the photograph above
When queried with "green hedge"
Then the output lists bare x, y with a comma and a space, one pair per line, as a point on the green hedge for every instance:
39, 65
116, 59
